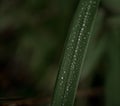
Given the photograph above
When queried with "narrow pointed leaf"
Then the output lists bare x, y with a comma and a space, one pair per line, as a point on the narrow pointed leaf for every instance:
74, 54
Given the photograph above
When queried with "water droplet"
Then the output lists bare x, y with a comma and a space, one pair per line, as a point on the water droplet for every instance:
72, 40
83, 24
62, 78
67, 89
84, 37
76, 51
64, 72
82, 29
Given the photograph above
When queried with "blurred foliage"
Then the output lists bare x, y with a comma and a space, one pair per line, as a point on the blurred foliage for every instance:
32, 36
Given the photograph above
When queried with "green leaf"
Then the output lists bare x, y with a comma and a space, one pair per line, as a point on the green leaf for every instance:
76, 46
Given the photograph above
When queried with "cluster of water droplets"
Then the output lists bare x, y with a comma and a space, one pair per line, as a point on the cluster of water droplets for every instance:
81, 42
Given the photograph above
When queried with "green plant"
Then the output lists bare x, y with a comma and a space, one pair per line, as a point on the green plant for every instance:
75, 51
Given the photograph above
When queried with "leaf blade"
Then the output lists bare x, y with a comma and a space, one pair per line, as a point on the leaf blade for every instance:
76, 47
